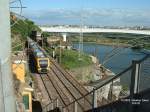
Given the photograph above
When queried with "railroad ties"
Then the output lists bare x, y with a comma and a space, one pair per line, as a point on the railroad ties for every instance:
59, 84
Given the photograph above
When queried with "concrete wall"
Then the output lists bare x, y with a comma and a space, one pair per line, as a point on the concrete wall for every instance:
19, 71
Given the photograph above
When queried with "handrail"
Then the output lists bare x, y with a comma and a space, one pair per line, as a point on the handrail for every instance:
109, 81
105, 83
141, 60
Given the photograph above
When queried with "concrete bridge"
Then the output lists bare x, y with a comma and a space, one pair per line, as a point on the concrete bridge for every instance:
92, 30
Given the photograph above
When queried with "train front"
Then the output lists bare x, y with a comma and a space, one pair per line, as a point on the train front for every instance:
43, 65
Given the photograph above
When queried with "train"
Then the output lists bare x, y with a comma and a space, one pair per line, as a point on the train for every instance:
41, 61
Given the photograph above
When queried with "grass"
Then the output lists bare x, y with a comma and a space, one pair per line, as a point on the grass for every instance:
147, 47
125, 88
70, 59
20, 31
18, 48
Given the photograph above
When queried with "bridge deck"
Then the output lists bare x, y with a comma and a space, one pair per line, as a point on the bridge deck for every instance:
93, 30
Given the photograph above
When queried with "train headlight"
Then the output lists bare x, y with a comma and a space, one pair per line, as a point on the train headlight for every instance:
39, 68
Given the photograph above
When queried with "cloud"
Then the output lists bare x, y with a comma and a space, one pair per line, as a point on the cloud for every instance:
104, 17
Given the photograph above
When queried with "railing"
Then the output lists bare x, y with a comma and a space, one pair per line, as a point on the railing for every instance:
144, 82
114, 89
97, 91
132, 101
127, 83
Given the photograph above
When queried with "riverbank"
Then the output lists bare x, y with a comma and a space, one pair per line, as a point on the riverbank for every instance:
115, 39
94, 72
118, 62
108, 44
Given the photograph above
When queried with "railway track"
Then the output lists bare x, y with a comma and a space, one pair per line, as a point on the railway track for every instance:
62, 96
54, 91
68, 76
72, 86
59, 84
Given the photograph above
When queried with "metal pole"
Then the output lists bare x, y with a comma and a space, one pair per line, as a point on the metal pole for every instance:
134, 87
60, 52
42, 41
6, 86
81, 39
57, 102
94, 99
52, 107
75, 107
64, 110
53, 54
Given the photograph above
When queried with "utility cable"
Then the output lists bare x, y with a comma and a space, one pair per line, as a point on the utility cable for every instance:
110, 56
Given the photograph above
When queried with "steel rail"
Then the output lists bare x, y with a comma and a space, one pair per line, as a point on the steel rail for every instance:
72, 83
46, 88
67, 88
107, 82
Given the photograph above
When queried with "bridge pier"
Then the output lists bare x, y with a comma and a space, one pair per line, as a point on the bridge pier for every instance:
64, 37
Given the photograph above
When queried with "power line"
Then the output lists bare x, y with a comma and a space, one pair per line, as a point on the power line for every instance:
16, 7
117, 53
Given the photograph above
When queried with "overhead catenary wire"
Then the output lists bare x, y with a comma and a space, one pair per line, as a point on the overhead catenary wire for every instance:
18, 45
13, 1
22, 57
16, 7
109, 56
109, 53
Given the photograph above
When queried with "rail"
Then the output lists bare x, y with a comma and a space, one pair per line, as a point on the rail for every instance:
111, 80
82, 93
50, 106
133, 72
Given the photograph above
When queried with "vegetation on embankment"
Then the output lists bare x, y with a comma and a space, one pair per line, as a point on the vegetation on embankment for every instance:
70, 58
19, 32
115, 39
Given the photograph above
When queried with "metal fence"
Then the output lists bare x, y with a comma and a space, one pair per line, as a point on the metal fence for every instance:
144, 82
117, 93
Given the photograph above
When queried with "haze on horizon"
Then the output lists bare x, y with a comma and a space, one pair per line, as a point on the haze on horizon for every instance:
92, 12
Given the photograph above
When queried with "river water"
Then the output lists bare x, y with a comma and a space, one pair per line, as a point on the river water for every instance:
119, 62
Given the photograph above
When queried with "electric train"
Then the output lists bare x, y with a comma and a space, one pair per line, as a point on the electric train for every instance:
41, 61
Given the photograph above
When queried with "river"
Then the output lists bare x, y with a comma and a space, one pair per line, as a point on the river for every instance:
119, 62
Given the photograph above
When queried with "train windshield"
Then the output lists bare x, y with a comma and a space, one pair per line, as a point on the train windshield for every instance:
43, 62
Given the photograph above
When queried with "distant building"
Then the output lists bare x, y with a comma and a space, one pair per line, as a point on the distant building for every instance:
57, 41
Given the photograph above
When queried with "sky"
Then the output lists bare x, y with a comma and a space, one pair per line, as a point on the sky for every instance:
90, 12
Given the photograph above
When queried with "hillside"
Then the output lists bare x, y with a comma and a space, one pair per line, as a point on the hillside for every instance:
20, 30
